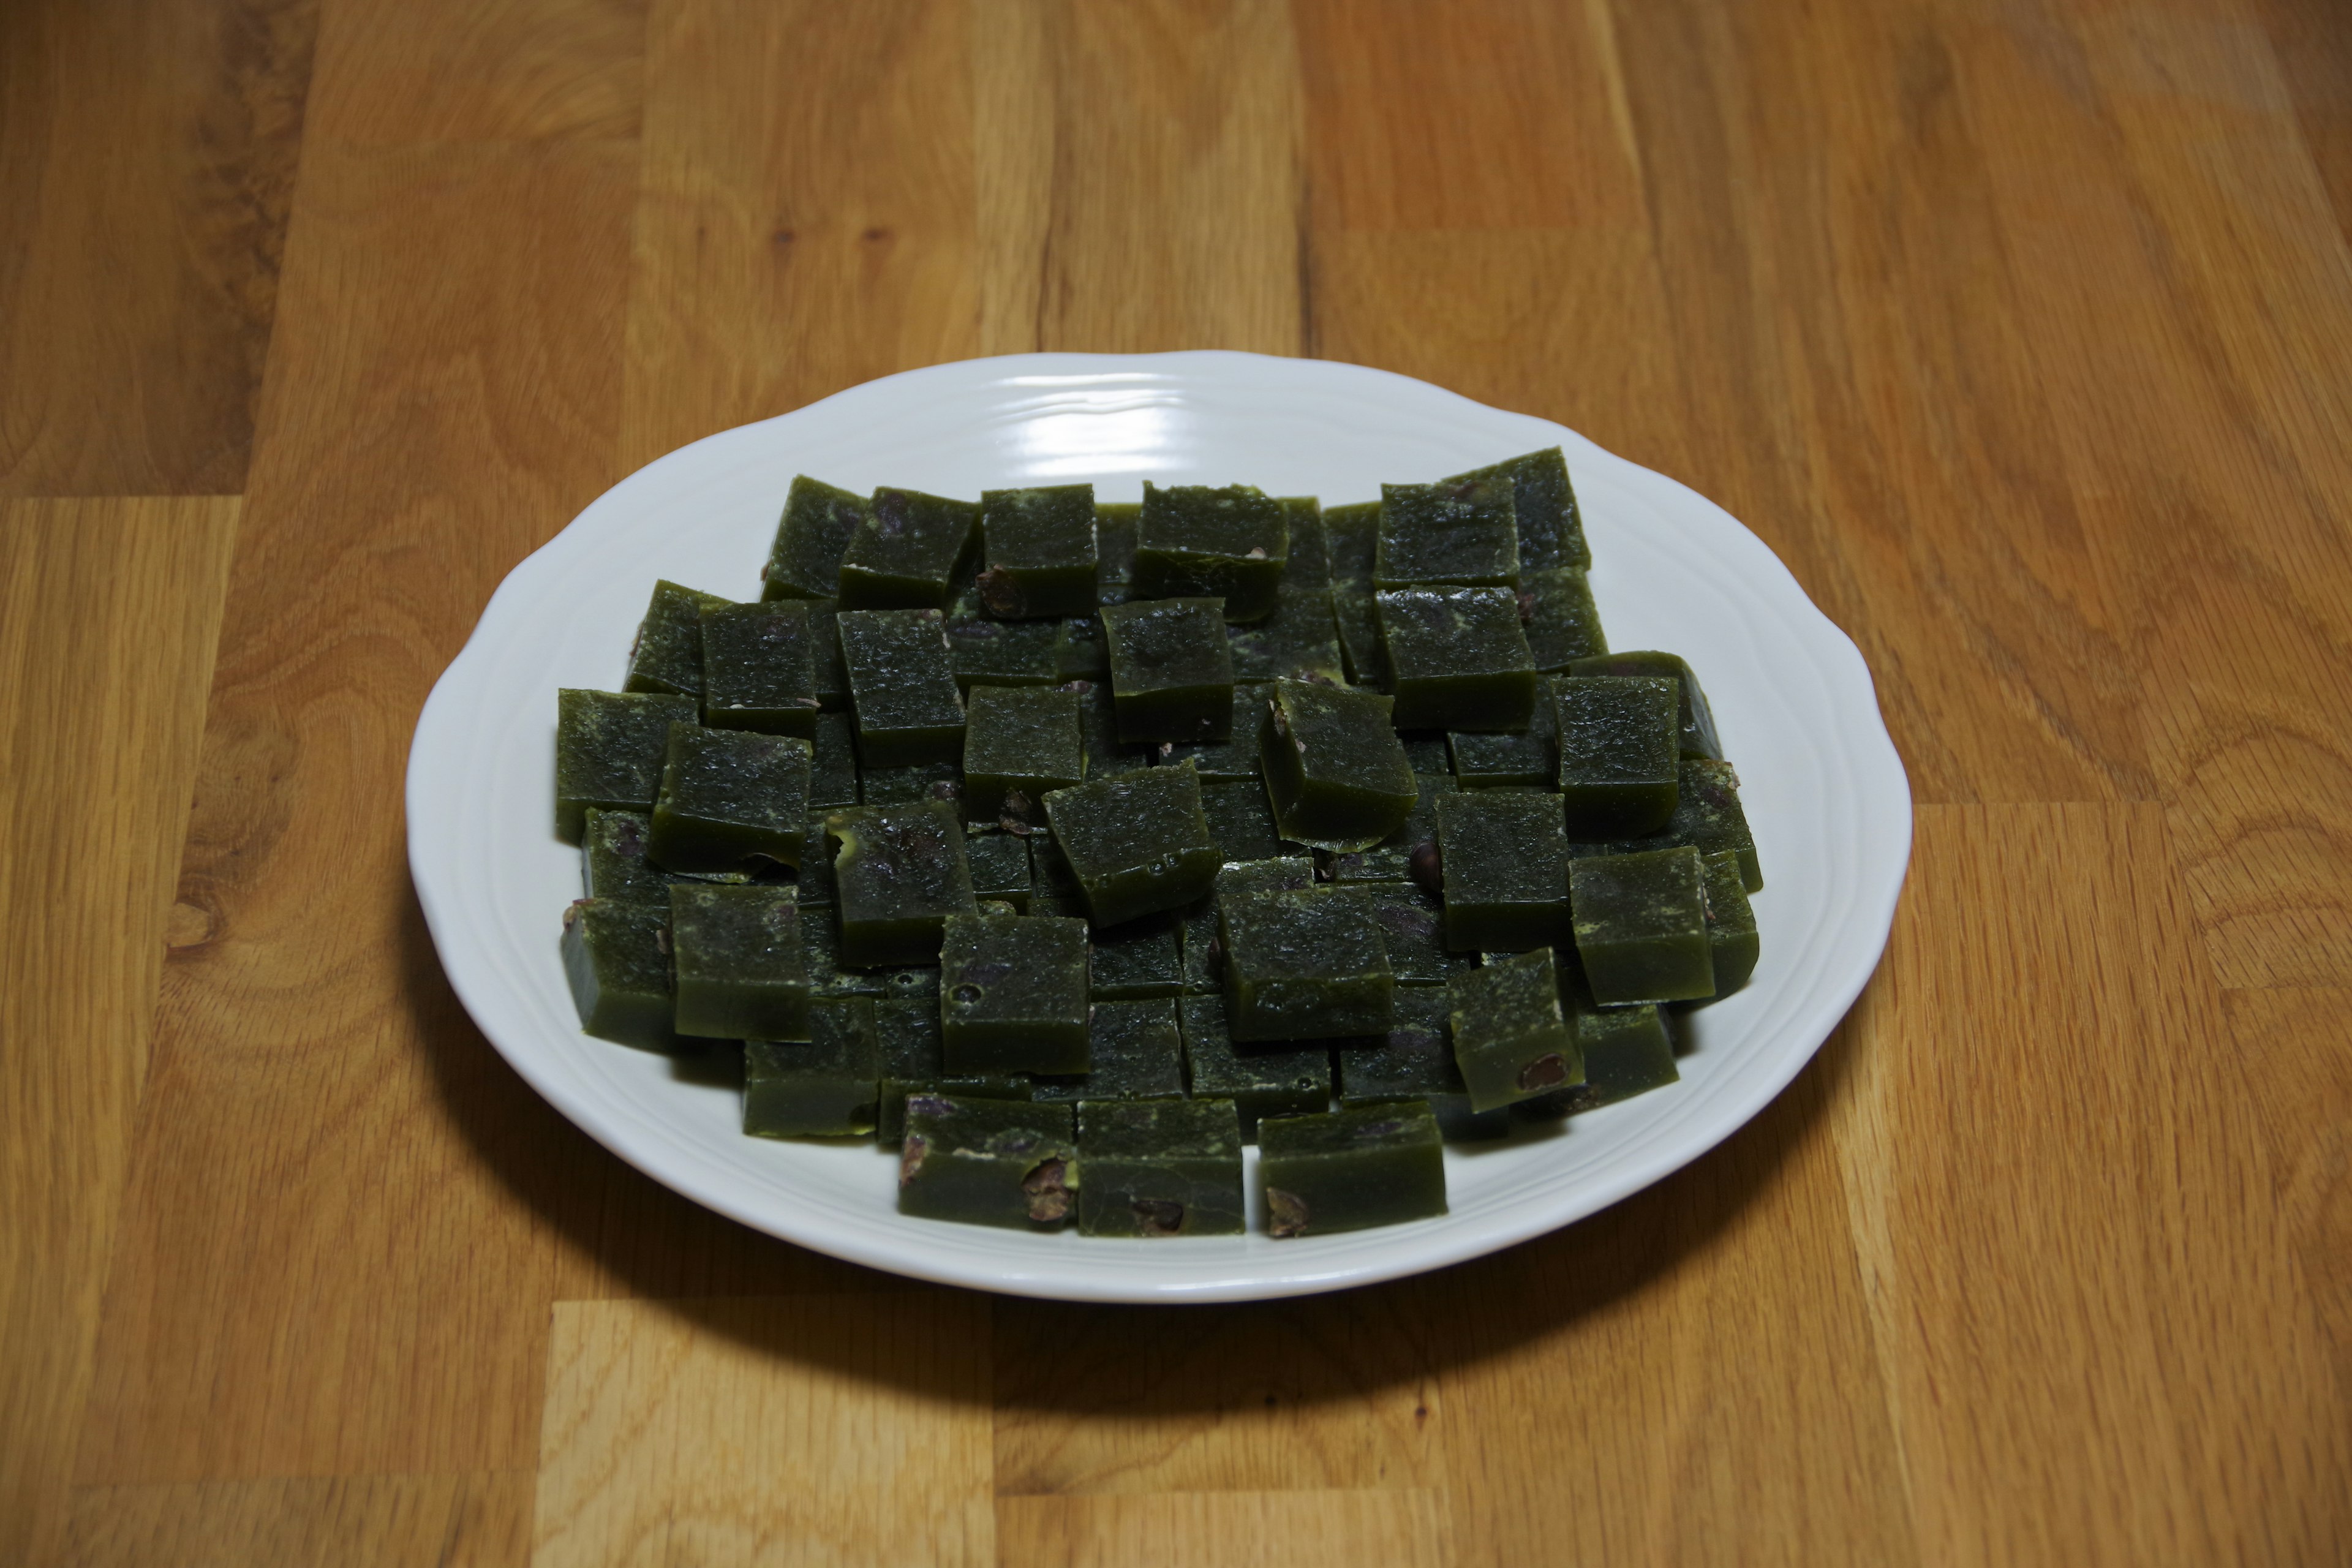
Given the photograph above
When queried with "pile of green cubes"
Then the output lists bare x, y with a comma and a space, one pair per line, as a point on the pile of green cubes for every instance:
1068, 847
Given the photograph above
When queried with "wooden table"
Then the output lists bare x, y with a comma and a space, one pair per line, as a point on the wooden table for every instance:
2020, 327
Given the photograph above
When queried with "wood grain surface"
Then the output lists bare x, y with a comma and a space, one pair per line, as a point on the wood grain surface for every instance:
2019, 328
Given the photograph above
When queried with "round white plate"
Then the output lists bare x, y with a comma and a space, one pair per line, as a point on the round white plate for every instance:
1823, 789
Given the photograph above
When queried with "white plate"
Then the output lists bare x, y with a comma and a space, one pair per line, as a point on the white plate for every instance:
1823, 789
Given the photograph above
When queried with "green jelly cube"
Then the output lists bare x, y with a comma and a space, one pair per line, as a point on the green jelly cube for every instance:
1138, 960
814, 880
741, 967
901, 873
1640, 926
1098, 721
1708, 814
824, 1087
609, 747
1731, 936
1393, 859
1283, 1081
988, 1161
1412, 929
1335, 770
1012, 994
821, 937
1618, 761
1427, 753
758, 668
984, 651
914, 1061
905, 552
1351, 540
1463, 531
901, 687
833, 767
907, 786
1457, 658
1311, 550
1352, 1169
1114, 525
1562, 622
1240, 821
1171, 671
1080, 651
1414, 1060
1506, 870
616, 957
613, 863
1136, 842
1355, 615
1301, 641
1134, 1051
1161, 1167
1050, 874
999, 868
1229, 543
806, 561
824, 639
1510, 1038
668, 652
1019, 742
1529, 760
1307, 964
1201, 943
1697, 719
1232, 758
1196, 945
730, 795
1627, 1050
1551, 530
1039, 547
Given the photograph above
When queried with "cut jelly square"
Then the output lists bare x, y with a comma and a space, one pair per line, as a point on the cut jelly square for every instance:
804, 562
1412, 929
1457, 658
728, 797
901, 873
742, 969
1640, 926
758, 668
1080, 652
1114, 525
617, 958
1414, 1060
902, 688
1300, 641
914, 1062
824, 1087
1511, 1040
1240, 821
1261, 1082
1335, 770
1463, 531
1171, 670
1731, 937
999, 868
613, 863
1351, 540
905, 552
609, 749
1099, 720
1562, 622
1708, 816
1138, 960
668, 652
1627, 1050
1504, 865
1697, 719
1136, 842
1019, 742
833, 767
988, 1161
1039, 547
1232, 758
1350, 1169
1618, 753
907, 786
1543, 504
1134, 1051
984, 651
1302, 965
1228, 542
1161, 1167
1529, 760
1013, 993
1311, 550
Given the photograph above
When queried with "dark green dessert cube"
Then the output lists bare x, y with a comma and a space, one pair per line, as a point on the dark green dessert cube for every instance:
1640, 926
1285, 874
1171, 671
1201, 942
1300, 641
1457, 658
1240, 821
1114, 524
1136, 842
988, 1161
1019, 742
1261, 1082
901, 688
1511, 1040
1562, 622
806, 561
1618, 761
1161, 1167
616, 957
833, 769
1098, 719
815, 881
821, 937
1232, 758
984, 651
1414, 1060
1012, 994
914, 1062
1138, 960
1393, 859
1463, 531
907, 786
668, 652
1351, 536
1196, 943
1627, 1050
1529, 760
824, 640
741, 968
1335, 770
730, 795
1355, 615
999, 868
901, 873
1352, 1169
609, 747
1412, 929
905, 552
1304, 966
758, 668
1080, 652
1040, 548
824, 1087
613, 863
1731, 936
1427, 753
1506, 870
1543, 503
1708, 816
1697, 719
1229, 543
1134, 1051
1050, 875
1311, 550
